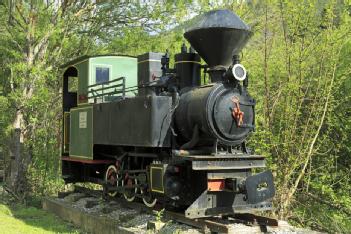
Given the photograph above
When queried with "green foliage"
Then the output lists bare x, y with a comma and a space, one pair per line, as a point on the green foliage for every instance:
5, 210
320, 217
159, 215
299, 73
129, 43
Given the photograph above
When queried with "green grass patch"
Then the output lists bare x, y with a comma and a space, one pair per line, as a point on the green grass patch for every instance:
28, 220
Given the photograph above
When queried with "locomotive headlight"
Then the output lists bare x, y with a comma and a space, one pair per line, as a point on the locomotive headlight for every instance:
239, 72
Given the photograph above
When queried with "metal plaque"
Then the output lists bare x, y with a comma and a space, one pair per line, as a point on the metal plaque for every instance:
83, 119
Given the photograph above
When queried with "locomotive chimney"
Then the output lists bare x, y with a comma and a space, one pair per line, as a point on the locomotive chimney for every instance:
217, 36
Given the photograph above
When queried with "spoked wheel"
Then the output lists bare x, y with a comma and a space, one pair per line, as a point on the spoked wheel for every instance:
111, 178
129, 193
148, 199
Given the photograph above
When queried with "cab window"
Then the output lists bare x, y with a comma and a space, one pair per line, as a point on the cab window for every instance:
72, 84
102, 74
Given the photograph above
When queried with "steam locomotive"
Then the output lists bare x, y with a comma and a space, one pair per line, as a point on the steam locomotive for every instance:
171, 135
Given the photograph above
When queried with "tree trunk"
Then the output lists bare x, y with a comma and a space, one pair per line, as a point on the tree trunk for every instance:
18, 162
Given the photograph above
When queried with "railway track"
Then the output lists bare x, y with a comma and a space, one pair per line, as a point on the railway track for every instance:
206, 225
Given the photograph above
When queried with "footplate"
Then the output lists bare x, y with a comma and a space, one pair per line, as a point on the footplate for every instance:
225, 162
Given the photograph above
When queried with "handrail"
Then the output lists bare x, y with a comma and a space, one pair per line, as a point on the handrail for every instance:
107, 82
103, 88
95, 93
105, 94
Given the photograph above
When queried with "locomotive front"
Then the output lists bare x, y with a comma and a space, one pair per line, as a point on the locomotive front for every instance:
222, 111
212, 122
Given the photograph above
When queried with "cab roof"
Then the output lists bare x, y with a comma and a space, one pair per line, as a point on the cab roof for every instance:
86, 57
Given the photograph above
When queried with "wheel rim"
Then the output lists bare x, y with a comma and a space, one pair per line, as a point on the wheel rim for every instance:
130, 194
148, 199
111, 177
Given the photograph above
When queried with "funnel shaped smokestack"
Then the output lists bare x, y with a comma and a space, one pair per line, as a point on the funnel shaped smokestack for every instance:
217, 36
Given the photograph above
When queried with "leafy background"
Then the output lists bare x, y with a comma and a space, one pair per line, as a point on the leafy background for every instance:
299, 64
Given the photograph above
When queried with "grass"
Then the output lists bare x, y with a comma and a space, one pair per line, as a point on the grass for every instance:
28, 220
20, 219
